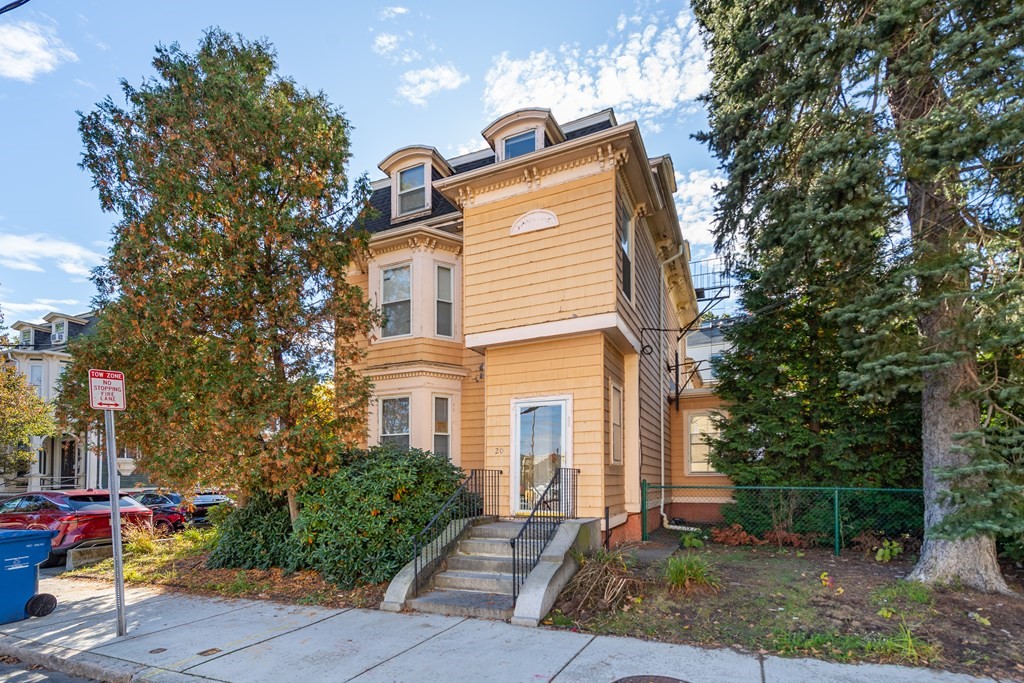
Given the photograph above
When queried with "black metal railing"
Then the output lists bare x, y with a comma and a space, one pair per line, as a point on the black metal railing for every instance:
554, 506
478, 496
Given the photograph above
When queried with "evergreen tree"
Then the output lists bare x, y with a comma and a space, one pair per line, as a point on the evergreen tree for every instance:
874, 154
791, 421
226, 285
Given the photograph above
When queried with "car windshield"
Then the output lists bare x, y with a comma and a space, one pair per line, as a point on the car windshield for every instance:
89, 502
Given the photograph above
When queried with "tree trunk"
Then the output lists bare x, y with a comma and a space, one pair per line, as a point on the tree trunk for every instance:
293, 507
936, 224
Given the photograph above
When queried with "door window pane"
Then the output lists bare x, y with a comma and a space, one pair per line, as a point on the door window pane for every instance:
394, 421
442, 426
396, 298
444, 320
541, 449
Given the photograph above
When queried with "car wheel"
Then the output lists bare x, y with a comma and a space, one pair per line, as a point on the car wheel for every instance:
164, 528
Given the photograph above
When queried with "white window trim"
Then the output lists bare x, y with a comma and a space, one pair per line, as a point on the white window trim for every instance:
567, 427
26, 342
615, 386
538, 140
433, 422
62, 337
380, 418
687, 416
451, 271
427, 191
412, 298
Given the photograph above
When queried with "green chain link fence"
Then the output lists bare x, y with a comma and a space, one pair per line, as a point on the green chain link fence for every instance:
793, 515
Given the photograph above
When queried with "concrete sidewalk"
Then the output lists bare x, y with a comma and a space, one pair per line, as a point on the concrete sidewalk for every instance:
174, 637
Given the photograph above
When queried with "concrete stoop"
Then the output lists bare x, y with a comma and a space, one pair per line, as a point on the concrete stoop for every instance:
476, 580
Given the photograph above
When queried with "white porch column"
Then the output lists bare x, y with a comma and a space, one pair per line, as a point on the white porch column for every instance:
34, 477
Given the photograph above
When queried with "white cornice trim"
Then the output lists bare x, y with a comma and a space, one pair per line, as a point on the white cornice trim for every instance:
601, 322
416, 370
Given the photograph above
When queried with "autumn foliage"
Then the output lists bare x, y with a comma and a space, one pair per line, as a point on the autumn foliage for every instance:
225, 283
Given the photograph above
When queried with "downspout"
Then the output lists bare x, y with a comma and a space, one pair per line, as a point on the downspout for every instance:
661, 408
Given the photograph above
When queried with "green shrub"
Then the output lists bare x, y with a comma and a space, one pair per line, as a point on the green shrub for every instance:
357, 526
257, 536
219, 513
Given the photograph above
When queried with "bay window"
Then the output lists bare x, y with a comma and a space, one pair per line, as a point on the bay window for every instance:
396, 301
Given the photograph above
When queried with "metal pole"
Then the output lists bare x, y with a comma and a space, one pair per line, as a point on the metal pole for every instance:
835, 514
115, 520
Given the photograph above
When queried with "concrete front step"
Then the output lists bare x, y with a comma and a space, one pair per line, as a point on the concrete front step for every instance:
490, 547
505, 529
464, 603
480, 563
485, 582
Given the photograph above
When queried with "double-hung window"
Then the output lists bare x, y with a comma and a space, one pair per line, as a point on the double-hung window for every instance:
26, 338
442, 426
443, 319
617, 436
701, 429
518, 145
396, 301
624, 225
394, 421
412, 190
35, 378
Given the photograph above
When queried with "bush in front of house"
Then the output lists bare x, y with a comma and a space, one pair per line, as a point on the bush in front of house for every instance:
354, 527
256, 536
357, 526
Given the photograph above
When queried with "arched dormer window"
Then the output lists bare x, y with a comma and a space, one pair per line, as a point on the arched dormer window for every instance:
521, 132
412, 171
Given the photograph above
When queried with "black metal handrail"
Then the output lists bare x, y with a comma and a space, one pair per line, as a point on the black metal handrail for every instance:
476, 497
554, 506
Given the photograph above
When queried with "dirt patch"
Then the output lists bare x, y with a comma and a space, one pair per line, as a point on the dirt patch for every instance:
808, 602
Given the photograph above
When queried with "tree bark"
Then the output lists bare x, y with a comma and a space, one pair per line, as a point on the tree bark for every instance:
293, 507
936, 224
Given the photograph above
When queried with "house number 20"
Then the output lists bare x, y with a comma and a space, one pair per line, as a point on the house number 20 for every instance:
499, 451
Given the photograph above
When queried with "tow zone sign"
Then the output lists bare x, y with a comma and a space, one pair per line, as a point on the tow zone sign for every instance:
106, 390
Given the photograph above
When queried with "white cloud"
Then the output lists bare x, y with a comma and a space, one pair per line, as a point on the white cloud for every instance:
33, 252
695, 203
657, 69
392, 12
40, 306
418, 85
385, 43
28, 49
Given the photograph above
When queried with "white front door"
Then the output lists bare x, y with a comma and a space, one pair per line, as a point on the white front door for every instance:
542, 443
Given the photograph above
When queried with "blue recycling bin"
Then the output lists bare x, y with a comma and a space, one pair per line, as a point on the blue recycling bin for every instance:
21, 551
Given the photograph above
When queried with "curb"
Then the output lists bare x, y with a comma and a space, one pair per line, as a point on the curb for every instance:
86, 664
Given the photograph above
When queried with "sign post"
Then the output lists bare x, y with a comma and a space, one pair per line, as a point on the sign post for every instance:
106, 393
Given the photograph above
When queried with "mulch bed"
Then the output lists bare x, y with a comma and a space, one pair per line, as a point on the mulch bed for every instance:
190, 575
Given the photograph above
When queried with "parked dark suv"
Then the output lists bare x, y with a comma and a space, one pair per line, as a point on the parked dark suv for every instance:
195, 510
81, 518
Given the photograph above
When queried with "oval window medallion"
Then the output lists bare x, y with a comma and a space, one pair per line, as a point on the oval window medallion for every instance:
538, 219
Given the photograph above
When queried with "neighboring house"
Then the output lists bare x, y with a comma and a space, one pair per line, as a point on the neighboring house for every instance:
532, 295
704, 346
69, 461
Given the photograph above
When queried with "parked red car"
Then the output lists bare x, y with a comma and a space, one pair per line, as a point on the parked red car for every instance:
80, 518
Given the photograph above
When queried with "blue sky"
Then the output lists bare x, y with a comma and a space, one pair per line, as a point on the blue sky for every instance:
405, 73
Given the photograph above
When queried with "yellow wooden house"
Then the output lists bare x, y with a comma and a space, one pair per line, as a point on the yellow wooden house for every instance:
532, 294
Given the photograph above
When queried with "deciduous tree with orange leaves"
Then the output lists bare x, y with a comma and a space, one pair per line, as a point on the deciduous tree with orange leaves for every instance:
224, 298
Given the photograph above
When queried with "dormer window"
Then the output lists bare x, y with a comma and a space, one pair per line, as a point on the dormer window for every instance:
57, 336
26, 338
412, 190
518, 145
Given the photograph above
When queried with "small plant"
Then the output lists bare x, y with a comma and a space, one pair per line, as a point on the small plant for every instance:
603, 582
781, 537
888, 551
139, 540
689, 573
829, 582
692, 539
